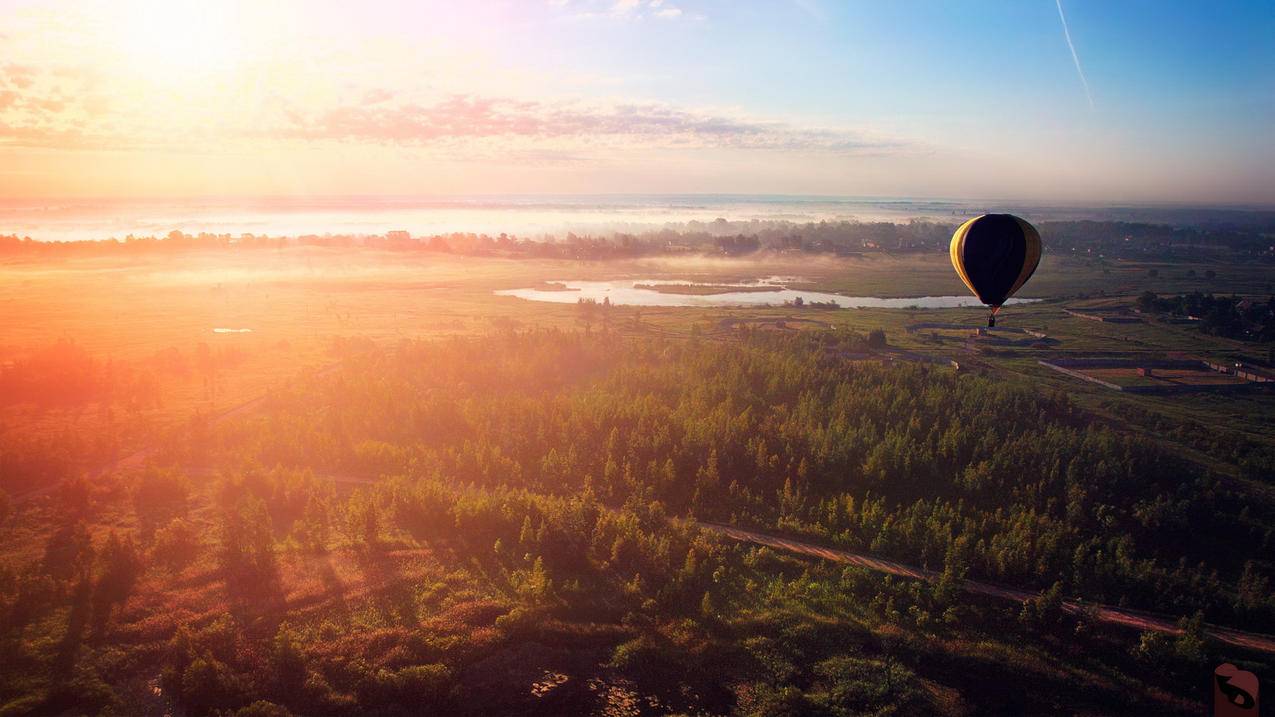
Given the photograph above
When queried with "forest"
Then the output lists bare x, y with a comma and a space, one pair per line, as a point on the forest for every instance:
505, 525
1229, 316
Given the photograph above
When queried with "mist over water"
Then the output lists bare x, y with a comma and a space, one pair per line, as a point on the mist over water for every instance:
525, 216
770, 291
529, 216
521, 215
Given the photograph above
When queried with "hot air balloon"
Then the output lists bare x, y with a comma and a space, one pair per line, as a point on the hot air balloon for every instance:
995, 254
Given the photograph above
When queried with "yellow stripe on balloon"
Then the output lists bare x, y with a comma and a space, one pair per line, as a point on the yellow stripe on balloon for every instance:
957, 251
1032, 257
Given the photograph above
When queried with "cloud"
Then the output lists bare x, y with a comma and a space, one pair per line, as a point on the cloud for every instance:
46, 108
77, 110
625, 7
20, 76
626, 10
465, 119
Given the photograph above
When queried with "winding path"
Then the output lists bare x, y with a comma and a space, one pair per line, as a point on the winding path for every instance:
1136, 619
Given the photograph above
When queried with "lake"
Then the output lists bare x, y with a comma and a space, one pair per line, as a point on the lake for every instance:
769, 291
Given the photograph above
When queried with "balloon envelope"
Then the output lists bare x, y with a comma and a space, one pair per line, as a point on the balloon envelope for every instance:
995, 254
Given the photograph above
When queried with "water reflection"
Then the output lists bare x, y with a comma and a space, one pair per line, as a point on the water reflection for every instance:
769, 291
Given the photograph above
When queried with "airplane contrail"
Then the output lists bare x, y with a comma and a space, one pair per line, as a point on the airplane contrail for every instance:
1075, 58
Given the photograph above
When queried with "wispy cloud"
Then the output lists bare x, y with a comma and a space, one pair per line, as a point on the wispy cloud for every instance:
462, 119
622, 9
625, 7
1074, 57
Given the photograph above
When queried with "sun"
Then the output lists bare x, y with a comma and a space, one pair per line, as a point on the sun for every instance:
170, 42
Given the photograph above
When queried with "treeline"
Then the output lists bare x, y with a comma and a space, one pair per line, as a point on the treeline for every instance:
98, 406
1110, 239
730, 238
956, 472
1230, 316
1161, 240
64, 374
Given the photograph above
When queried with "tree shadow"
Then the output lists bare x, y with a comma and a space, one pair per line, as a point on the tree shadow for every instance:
69, 646
256, 598
388, 589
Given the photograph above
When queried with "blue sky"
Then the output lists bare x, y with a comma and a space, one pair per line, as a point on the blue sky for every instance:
954, 99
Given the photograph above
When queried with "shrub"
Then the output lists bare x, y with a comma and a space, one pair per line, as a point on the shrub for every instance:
69, 552
121, 566
176, 545
208, 684
416, 685
159, 496
261, 708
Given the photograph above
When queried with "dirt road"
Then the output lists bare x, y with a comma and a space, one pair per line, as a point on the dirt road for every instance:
1136, 619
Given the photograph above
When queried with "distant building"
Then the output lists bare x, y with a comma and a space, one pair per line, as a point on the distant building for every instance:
398, 235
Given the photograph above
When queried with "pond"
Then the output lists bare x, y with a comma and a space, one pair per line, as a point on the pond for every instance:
769, 291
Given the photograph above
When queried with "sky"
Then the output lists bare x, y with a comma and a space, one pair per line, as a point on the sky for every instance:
1145, 101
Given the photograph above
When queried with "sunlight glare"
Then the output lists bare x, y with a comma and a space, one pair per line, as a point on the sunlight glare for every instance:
179, 41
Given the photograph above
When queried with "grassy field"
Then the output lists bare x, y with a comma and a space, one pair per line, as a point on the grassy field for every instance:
298, 302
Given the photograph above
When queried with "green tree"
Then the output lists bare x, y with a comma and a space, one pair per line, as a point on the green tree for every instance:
175, 545
363, 520
121, 563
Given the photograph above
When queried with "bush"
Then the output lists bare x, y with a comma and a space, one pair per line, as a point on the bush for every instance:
247, 552
208, 684
34, 593
1154, 649
69, 552
854, 685
159, 496
417, 685
84, 692
121, 566
74, 498
260, 708
763, 700
176, 545
287, 662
